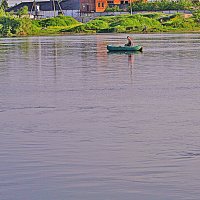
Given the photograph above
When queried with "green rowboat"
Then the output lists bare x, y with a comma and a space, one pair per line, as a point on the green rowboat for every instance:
124, 48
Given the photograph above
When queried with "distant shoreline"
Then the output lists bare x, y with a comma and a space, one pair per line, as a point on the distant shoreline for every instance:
148, 23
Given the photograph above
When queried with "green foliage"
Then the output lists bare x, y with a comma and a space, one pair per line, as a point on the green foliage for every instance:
154, 22
2, 12
22, 11
196, 16
113, 9
153, 15
4, 5
123, 23
78, 29
26, 26
161, 5
96, 24
56, 21
178, 22
9, 26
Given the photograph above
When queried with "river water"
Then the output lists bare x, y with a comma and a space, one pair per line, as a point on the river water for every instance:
78, 123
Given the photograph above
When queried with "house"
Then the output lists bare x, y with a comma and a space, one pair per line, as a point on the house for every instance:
45, 9
89, 6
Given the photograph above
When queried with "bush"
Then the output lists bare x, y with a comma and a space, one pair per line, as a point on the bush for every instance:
137, 22
14, 26
9, 26
96, 24
26, 27
4, 5
56, 21
196, 16
123, 23
179, 22
22, 11
2, 12
78, 29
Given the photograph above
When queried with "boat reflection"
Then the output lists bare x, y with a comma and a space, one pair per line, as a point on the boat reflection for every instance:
130, 58
130, 63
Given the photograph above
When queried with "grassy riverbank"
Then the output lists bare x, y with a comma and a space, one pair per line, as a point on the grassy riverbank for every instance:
14, 26
153, 22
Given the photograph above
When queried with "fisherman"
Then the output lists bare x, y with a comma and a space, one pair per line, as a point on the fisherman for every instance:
129, 43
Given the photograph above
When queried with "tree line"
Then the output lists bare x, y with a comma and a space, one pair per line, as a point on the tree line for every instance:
141, 5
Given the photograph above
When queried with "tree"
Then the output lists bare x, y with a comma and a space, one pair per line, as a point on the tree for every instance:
22, 11
4, 5
196, 16
2, 12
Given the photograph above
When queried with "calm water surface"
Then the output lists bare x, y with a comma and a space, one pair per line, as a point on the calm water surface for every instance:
77, 123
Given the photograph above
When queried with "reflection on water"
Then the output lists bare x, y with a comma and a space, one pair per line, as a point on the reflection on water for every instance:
131, 62
130, 58
78, 122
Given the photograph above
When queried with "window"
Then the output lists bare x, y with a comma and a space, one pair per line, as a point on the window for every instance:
99, 4
126, 2
103, 5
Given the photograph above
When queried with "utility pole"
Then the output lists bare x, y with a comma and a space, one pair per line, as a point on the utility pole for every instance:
54, 8
60, 8
33, 9
131, 7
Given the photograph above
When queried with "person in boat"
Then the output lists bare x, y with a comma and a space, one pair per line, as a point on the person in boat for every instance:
130, 42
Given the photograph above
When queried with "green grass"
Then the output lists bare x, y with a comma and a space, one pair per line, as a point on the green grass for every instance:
56, 21
155, 22
14, 26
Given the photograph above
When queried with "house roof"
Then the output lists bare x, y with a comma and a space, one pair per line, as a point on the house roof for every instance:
48, 5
